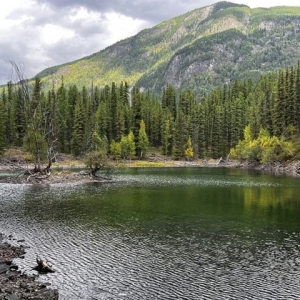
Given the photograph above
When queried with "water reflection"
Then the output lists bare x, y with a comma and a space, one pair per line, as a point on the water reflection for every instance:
276, 205
163, 234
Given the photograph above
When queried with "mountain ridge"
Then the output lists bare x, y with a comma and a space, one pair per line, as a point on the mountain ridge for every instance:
198, 50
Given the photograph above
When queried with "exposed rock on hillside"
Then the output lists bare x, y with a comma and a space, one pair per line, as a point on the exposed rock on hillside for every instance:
199, 50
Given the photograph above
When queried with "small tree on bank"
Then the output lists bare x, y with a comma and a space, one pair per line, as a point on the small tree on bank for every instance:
143, 143
96, 159
189, 152
115, 150
131, 145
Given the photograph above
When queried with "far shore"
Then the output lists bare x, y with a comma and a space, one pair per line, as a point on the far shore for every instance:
76, 171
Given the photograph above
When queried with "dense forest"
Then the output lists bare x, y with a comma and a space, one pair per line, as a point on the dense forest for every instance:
249, 120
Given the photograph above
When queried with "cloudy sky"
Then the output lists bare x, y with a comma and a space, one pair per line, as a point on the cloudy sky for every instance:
37, 34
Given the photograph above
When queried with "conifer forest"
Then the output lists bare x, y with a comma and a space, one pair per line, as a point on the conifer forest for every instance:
257, 121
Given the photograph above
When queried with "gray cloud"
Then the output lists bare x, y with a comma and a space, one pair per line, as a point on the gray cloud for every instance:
149, 10
43, 33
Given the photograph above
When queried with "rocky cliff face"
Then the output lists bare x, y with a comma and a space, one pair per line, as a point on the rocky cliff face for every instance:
198, 50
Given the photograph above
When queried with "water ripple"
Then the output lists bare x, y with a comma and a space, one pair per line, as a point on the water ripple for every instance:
106, 255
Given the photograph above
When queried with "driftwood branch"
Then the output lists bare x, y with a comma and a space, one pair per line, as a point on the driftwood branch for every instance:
43, 266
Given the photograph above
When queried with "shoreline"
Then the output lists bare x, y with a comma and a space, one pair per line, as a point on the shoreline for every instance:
16, 285
72, 173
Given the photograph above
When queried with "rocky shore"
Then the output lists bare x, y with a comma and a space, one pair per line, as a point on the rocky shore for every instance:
17, 286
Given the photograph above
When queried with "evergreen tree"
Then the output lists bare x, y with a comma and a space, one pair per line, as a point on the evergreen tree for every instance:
201, 134
73, 98
290, 108
154, 130
124, 93
180, 135
265, 89
102, 120
78, 130
279, 106
256, 111
63, 118
114, 113
216, 147
143, 139
166, 134
194, 127
297, 98
137, 100
169, 100
95, 99
11, 115
2, 127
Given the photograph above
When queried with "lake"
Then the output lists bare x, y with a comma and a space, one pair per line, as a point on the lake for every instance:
169, 233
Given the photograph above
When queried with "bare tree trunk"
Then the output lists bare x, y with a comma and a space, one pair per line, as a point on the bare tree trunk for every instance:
41, 129
94, 171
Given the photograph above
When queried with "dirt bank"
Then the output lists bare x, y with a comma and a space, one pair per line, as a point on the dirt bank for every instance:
17, 286
54, 177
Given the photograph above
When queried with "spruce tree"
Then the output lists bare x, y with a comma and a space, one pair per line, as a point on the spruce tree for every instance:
169, 100
2, 127
297, 98
114, 113
279, 106
11, 115
137, 100
102, 120
180, 135
63, 118
201, 134
216, 146
290, 108
155, 123
78, 130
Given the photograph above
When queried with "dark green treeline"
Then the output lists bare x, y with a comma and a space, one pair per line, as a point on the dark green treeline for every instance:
215, 123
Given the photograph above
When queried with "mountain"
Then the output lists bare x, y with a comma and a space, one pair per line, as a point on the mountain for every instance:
198, 50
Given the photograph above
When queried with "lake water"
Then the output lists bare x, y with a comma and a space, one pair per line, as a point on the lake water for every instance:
174, 233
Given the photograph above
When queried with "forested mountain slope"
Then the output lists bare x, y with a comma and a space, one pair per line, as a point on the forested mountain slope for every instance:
199, 50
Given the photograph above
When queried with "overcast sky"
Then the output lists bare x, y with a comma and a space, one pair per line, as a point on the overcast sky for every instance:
37, 34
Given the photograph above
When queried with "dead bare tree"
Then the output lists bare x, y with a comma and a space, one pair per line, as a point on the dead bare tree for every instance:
41, 128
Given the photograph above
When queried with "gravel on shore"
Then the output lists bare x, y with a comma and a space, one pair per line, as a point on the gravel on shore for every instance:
17, 286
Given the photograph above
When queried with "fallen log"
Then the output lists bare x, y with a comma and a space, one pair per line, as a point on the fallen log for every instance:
43, 266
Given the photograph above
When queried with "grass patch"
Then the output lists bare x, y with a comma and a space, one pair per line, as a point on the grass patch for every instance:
154, 164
